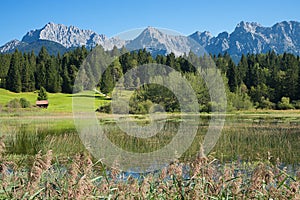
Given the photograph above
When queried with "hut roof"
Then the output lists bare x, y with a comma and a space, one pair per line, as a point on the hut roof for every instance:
42, 102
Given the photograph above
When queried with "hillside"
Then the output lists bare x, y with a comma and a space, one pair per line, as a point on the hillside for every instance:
58, 102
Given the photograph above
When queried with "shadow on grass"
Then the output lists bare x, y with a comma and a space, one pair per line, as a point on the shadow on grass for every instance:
91, 96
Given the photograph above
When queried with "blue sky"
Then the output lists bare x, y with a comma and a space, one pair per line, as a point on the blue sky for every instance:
112, 17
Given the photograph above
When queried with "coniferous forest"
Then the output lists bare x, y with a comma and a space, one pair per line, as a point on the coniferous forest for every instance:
268, 80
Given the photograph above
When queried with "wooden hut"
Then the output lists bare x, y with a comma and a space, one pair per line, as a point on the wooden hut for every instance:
42, 103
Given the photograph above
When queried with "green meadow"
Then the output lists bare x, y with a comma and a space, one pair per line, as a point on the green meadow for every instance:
58, 102
47, 158
248, 135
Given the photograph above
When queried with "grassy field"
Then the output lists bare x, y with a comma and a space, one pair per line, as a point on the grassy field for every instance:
257, 156
58, 102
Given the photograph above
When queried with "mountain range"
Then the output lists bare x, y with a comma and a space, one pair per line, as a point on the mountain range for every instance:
247, 37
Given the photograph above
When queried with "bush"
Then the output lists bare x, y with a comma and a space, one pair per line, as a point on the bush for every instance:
24, 103
105, 108
296, 104
18, 103
284, 104
14, 103
240, 101
204, 108
140, 107
265, 104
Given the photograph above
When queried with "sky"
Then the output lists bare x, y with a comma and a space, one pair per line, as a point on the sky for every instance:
111, 17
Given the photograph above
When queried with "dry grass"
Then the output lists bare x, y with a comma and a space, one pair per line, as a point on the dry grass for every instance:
204, 178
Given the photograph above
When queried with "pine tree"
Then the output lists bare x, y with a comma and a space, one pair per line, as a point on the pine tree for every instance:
66, 82
171, 60
107, 82
42, 95
13, 79
52, 76
290, 65
5, 63
232, 76
115, 52
123, 50
25, 77
117, 70
242, 69
41, 74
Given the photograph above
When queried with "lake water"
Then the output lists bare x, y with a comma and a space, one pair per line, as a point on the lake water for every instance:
242, 138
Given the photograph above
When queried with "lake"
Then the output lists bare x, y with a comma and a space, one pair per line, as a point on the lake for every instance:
244, 137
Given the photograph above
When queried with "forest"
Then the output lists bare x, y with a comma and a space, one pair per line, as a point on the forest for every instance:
266, 81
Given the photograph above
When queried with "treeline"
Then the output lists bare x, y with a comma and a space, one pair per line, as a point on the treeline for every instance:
28, 72
262, 80
270, 80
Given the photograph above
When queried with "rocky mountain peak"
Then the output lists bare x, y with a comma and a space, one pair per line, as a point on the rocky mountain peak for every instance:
151, 32
247, 26
68, 36
11, 45
247, 37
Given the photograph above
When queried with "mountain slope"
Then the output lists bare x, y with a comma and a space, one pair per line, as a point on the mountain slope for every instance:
70, 36
156, 41
254, 38
52, 47
67, 36
10, 46
246, 38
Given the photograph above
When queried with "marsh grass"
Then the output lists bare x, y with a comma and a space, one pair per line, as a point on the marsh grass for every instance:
252, 160
241, 139
29, 140
206, 178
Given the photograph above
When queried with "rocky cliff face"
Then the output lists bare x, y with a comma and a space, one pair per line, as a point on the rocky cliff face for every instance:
246, 38
69, 36
254, 38
155, 40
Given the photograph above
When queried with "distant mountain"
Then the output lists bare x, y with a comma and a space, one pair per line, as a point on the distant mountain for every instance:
155, 41
59, 38
52, 47
254, 38
203, 38
10, 46
71, 36
246, 38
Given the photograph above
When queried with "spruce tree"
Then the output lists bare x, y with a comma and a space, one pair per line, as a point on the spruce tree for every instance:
66, 82
5, 63
232, 76
13, 79
52, 76
42, 95
41, 76
107, 82
25, 77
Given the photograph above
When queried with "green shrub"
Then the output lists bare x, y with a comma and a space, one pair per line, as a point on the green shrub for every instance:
139, 107
105, 108
240, 101
14, 103
18, 103
204, 108
296, 104
24, 103
265, 104
284, 104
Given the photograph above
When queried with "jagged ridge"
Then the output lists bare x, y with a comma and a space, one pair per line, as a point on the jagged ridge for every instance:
246, 38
